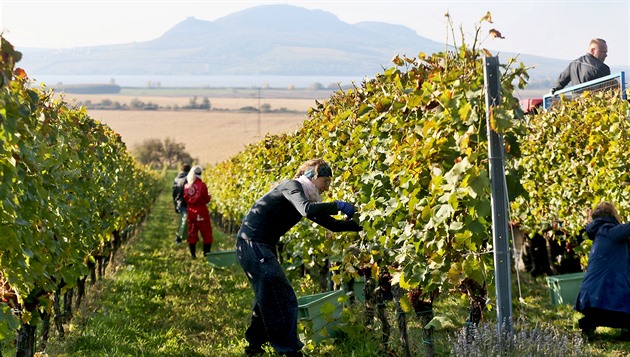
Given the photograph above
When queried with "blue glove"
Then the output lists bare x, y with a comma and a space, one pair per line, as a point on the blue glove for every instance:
345, 207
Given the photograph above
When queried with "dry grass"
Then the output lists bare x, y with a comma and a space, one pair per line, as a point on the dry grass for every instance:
210, 137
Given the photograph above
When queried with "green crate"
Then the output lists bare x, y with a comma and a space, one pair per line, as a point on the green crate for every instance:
329, 330
222, 258
564, 289
310, 306
319, 314
358, 288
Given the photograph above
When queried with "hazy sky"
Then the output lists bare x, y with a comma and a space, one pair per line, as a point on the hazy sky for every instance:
558, 29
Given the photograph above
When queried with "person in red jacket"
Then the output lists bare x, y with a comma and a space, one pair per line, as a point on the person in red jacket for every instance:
197, 198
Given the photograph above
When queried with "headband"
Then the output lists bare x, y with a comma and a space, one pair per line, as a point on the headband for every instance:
322, 171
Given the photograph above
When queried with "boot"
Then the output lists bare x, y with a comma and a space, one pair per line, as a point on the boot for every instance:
206, 248
193, 250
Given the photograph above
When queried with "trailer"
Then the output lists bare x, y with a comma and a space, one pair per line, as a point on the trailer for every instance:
616, 81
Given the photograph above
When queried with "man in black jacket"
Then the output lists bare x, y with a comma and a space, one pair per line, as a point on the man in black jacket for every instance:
180, 203
586, 68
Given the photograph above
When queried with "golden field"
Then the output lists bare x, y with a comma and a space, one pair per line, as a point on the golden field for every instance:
215, 135
209, 136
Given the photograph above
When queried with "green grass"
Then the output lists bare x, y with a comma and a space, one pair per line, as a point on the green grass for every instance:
157, 301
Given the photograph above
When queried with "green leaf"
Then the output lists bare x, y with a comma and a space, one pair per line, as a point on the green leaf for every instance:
439, 323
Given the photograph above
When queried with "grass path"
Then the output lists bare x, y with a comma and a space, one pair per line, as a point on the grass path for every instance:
157, 301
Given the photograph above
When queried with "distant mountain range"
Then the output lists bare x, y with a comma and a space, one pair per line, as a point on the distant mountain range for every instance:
262, 40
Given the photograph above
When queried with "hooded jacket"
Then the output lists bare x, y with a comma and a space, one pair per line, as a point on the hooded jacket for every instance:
606, 284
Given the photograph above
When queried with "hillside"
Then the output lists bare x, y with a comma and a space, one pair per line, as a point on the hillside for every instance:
249, 42
254, 42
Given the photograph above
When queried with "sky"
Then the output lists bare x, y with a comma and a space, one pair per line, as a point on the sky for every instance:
558, 29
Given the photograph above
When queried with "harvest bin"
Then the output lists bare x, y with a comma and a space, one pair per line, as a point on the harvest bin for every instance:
319, 313
564, 289
359, 293
222, 258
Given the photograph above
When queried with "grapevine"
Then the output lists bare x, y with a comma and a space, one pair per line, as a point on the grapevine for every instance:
69, 186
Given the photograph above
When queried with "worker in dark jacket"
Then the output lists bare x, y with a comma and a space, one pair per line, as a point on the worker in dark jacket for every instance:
274, 315
586, 68
180, 203
604, 296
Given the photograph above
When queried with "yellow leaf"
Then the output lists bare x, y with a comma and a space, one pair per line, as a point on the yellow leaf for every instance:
403, 284
374, 270
397, 60
405, 305
487, 18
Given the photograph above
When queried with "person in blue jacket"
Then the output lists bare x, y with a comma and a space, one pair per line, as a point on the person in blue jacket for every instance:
275, 309
604, 296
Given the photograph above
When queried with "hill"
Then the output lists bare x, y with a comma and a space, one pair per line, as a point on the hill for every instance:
254, 42
249, 42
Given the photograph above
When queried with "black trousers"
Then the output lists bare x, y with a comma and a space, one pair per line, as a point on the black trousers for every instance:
274, 313
594, 317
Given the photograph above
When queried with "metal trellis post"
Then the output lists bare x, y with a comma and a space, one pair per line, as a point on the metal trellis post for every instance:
499, 201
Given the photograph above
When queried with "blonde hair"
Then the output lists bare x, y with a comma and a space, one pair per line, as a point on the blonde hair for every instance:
193, 174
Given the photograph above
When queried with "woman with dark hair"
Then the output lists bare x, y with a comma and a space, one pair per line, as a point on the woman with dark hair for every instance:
604, 296
274, 315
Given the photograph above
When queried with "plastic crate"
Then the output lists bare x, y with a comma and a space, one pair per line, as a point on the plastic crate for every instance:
311, 305
358, 288
318, 324
564, 289
222, 258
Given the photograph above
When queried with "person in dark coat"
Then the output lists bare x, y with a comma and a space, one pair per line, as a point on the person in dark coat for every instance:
275, 309
585, 68
180, 203
604, 296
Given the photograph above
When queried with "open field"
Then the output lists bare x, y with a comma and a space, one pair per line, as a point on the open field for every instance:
226, 101
210, 136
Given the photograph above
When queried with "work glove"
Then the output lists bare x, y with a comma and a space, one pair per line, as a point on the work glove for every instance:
347, 208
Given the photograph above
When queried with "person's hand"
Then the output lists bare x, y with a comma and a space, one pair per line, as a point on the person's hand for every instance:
354, 225
347, 208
